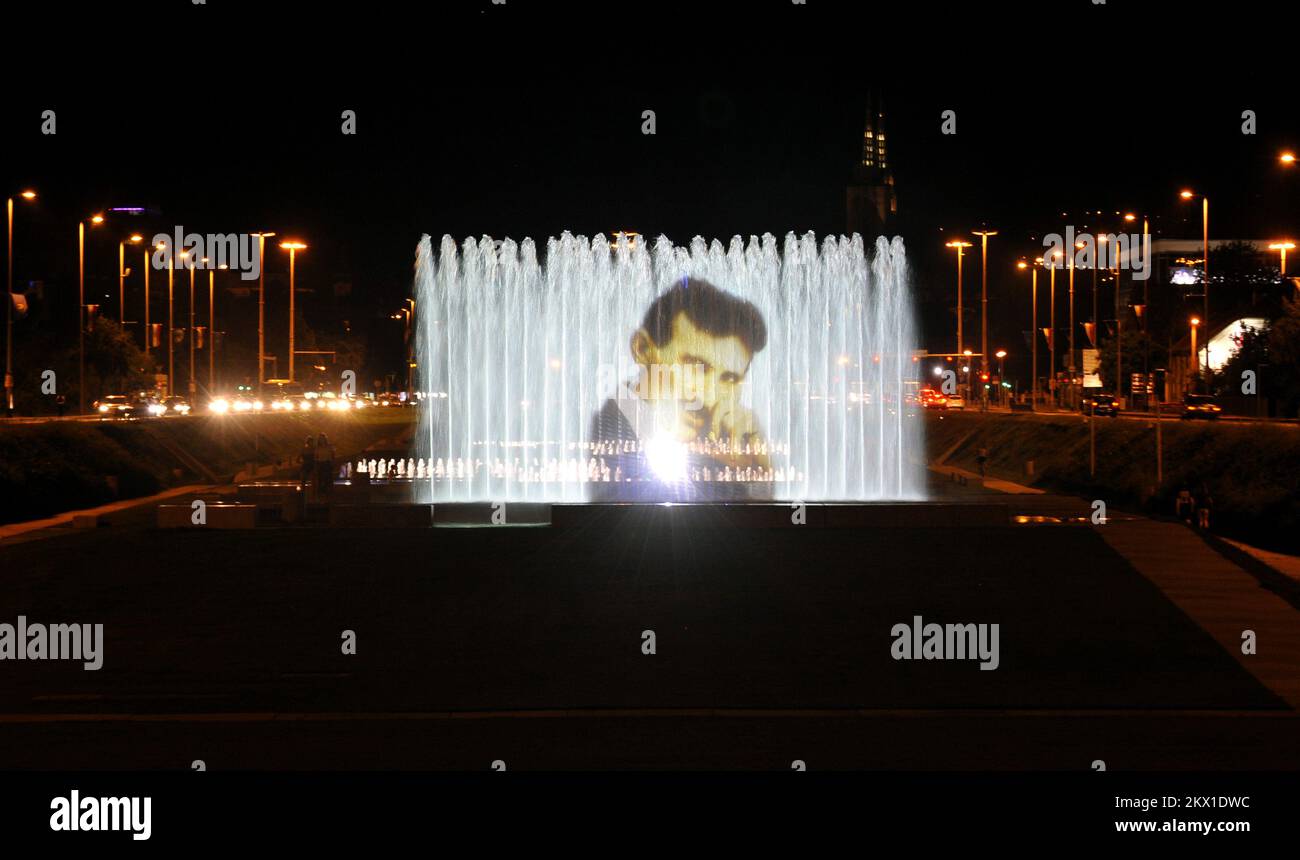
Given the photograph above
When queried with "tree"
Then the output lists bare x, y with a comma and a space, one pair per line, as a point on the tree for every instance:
1134, 357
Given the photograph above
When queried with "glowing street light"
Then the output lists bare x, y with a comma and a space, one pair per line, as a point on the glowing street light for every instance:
1287, 158
1033, 330
1205, 262
984, 304
261, 305
81, 310
1283, 247
133, 239
293, 247
9, 305
961, 247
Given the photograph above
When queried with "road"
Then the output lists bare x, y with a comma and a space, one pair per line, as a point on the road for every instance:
525, 644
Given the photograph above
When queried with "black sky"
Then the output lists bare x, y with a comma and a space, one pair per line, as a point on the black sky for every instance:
525, 120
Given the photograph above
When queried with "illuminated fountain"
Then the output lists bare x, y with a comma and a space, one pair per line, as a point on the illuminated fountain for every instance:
515, 355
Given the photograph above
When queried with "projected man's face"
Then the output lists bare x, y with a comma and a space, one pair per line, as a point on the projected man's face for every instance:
700, 375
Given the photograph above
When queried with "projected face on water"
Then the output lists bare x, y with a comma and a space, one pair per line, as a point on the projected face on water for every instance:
591, 371
698, 374
680, 430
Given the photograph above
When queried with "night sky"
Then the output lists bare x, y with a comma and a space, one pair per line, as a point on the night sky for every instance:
474, 120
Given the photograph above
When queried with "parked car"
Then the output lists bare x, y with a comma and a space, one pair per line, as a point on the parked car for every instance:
1100, 404
1201, 406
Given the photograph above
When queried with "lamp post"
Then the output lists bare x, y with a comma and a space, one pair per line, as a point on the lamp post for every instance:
1073, 251
261, 306
193, 387
961, 247
8, 308
1191, 358
1053, 265
171, 338
1283, 247
148, 327
1205, 266
1033, 330
212, 330
135, 239
293, 247
95, 220
984, 306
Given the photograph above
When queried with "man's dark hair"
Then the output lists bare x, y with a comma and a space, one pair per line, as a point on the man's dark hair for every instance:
709, 309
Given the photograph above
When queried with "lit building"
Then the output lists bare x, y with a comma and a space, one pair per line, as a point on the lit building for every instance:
870, 201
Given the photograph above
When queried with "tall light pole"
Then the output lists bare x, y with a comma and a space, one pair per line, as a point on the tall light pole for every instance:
81, 310
8, 309
261, 306
1073, 251
961, 247
212, 331
193, 386
171, 320
1191, 357
1033, 330
1283, 247
135, 239
984, 307
293, 247
148, 327
1053, 265
1205, 267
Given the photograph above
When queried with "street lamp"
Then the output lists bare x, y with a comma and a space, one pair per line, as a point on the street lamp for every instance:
984, 305
9, 306
95, 220
1033, 330
1073, 252
293, 247
1287, 158
1283, 247
212, 329
1205, 263
193, 386
1191, 358
134, 239
261, 305
961, 247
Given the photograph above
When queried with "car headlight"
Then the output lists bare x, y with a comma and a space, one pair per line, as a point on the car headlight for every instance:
219, 406
157, 409
103, 408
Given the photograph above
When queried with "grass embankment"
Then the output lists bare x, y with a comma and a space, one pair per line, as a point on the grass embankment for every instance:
60, 466
1252, 471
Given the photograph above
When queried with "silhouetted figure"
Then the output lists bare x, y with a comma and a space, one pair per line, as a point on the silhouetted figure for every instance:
982, 457
307, 459
324, 466
1183, 505
60, 403
1204, 504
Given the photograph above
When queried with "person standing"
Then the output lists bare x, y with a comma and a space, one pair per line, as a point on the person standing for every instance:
307, 461
324, 467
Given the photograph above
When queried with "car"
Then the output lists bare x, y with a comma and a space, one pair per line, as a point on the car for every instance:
175, 405
120, 406
931, 399
955, 401
1100, 404
1201, 406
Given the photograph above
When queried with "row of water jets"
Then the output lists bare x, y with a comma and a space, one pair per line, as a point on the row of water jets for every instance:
511, 350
